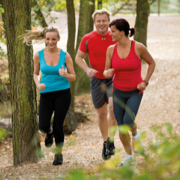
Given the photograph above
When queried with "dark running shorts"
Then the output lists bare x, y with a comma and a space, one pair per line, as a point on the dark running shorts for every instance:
101, 90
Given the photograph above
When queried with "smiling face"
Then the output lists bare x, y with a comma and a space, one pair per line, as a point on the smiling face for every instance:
51, 39
101, 23
116, 34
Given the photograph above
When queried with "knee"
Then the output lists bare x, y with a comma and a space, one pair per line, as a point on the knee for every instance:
102, 116
111, 110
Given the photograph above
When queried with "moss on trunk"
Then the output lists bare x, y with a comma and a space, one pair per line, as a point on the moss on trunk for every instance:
17, 18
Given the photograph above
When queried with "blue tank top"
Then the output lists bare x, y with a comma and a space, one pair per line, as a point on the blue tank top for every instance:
50, 74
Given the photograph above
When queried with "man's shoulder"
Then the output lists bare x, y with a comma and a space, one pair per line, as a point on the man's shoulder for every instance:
90, 35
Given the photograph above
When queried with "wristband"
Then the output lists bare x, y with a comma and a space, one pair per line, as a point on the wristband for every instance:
146, 82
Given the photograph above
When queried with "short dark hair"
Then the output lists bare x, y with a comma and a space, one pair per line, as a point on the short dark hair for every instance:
123, 25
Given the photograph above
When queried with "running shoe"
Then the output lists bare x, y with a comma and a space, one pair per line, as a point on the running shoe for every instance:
111, 147
58, 159
127, 161
105, 151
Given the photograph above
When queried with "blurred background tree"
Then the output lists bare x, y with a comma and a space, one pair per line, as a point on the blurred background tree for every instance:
142, 13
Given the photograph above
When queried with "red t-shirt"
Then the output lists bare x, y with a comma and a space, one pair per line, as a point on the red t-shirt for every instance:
127, 72
96, 45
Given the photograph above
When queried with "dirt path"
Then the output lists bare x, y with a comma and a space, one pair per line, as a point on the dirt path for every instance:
161, 103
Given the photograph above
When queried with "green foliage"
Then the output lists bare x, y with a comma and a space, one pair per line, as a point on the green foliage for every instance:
77, 174
2, 54
2, 38
1, 9
3, 133
124, 129
60, 5
160, 160
38, 17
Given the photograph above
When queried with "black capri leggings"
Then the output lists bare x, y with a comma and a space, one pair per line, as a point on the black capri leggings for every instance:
126, 105
57, 102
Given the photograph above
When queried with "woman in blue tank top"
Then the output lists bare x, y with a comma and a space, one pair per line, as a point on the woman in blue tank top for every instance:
57, 70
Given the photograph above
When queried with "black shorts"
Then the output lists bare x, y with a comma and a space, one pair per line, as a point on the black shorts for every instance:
101, 90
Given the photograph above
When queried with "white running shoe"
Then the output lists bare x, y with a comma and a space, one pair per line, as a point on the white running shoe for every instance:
136, 139
128, 160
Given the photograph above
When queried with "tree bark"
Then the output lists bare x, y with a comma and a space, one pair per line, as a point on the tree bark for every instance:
142, 13
82, 21
89, 21
85, 26
17, 19
71, 41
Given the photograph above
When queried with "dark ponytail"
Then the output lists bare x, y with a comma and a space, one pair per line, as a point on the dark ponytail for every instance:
132, 32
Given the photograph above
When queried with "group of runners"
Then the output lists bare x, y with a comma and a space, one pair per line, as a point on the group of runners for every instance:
115, 62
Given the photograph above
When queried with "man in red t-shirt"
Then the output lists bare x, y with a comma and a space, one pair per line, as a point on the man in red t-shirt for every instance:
96, 44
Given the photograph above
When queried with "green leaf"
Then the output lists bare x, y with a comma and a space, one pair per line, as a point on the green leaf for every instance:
124, 129
169, 128
144, 177
3, 133
77, 174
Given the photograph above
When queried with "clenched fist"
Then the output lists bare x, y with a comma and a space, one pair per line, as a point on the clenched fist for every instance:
41, 87
62, 72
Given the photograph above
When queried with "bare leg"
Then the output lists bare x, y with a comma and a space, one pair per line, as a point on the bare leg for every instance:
112, 120
134, 129
103, 121
126, 141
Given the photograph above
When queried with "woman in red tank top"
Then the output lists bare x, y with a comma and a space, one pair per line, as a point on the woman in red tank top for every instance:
123, 62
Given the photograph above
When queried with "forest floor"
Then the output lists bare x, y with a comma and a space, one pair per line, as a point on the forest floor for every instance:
160, 104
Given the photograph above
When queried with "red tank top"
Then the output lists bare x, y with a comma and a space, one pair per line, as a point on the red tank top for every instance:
127, 72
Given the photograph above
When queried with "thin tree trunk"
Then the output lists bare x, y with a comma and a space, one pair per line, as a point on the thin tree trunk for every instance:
17, 19
120, 8
82, 82
82, 21
71, 40
142, 13
89, 21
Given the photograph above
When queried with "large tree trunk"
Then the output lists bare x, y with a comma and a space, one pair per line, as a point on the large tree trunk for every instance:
71, 41
17, 18
142, 13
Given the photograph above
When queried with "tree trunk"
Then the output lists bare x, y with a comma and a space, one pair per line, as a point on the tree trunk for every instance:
71, 41
85, 26
82, 21
142, 13
17, 19
89, 21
